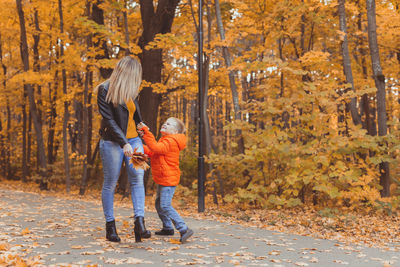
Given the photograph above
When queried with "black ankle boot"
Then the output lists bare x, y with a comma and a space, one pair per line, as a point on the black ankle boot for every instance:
111, 232
165, 232
140, 230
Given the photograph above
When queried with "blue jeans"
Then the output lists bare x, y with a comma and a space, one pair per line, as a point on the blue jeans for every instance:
166, 212
112, 156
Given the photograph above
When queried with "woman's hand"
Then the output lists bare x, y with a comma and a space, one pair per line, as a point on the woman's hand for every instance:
141, 125
128, 151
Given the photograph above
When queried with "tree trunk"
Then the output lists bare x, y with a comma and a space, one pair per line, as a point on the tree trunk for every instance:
5, 141
207, 129
32, 104
206, 72
346, 61
90, 127
302, 30
127, 50
98, 17
154, 22
52, 120
8, 152
29, 148
85, 133
85, 121
228, 62
231, 74
66, 104
379, 79
369, 123
2, 153
36, 62
36, 68
24, 137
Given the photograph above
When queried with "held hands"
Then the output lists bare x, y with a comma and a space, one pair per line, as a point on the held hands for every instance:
140, 128
140, 125
128, 151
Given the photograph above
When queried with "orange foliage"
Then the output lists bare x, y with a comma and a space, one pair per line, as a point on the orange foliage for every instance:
301, 146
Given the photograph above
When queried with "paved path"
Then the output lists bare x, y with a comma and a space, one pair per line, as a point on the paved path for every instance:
56, 232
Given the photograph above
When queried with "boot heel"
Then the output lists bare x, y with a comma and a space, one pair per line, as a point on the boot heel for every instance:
140, 230
111, 232
138, 236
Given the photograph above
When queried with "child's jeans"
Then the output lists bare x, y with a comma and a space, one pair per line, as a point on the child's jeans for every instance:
166, 212
112, 156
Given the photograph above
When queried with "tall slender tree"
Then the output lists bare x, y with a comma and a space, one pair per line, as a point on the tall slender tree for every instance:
231, 74
98, 17
85, 115
32, 102
7, 141
125, 15
365, 108
379, 79
66, 102
346, 60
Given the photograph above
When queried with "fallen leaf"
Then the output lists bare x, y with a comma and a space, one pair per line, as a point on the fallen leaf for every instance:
219, 259
92, 252
4, 247
80, 247
125, 224
341, 262
301, 264
174, 241
274, 252
25, 231
134, 261
20, 263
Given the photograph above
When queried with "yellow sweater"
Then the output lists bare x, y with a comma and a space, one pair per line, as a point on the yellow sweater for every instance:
131, 130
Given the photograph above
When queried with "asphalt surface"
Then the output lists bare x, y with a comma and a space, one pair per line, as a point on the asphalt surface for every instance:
50, 231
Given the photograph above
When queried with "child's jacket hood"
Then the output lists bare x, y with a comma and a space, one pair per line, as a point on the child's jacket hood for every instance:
179, 138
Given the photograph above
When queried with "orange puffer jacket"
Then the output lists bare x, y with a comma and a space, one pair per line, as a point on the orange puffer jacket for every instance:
164, 156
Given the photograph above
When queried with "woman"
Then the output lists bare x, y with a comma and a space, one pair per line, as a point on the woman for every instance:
119, 139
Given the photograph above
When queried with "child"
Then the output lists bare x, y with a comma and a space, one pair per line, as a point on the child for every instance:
164, 157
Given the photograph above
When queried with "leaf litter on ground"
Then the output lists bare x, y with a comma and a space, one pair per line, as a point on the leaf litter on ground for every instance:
371, 229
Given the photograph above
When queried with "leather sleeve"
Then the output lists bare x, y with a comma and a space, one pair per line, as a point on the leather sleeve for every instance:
108, 118
137, 116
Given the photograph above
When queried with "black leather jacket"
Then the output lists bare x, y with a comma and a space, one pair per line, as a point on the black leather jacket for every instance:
114, 121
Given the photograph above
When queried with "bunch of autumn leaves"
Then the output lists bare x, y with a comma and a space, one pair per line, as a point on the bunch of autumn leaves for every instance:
139, 160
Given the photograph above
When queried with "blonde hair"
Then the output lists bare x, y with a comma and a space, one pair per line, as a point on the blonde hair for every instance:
180, 126
125, 81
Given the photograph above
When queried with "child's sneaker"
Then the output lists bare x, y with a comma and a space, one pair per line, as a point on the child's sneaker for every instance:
165, 232
185, 235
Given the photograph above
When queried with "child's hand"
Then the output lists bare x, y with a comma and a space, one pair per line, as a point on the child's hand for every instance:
141, 125
141, 133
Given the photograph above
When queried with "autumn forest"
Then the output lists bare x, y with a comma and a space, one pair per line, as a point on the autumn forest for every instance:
301, 97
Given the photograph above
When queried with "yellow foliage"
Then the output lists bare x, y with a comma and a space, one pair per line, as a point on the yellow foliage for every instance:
299, 140
30, 77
